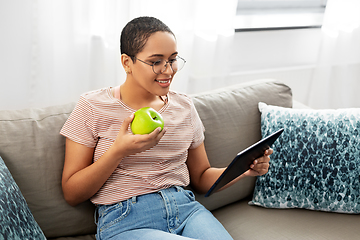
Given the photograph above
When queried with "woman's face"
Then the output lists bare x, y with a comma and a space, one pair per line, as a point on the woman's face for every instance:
160, 46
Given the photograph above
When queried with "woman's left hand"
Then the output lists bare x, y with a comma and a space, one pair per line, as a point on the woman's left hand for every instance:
260, 166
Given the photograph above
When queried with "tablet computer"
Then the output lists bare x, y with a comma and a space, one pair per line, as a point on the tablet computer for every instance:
241, 163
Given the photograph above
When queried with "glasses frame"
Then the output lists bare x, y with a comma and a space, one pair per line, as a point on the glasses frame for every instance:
166, 64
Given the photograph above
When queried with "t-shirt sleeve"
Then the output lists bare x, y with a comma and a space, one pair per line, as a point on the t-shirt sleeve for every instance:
79, 125
199, 129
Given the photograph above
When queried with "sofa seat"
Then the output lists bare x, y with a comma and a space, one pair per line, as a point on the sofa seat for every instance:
256, 223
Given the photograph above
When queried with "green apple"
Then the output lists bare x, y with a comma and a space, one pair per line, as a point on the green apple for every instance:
146, 120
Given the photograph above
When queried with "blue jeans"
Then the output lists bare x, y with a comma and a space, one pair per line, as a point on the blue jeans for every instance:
171, 213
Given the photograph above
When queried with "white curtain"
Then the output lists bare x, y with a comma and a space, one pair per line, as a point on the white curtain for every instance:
336, 79
55, 50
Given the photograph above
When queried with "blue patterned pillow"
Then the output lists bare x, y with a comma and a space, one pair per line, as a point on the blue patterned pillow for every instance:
16, 220
316, 161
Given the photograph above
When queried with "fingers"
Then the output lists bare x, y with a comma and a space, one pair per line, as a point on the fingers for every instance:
126, 123
147, 141
160, 134
261, 165
154, 134
154, 137
269, 151
264, 159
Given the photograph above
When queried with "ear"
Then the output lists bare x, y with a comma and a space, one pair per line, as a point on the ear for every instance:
126, 61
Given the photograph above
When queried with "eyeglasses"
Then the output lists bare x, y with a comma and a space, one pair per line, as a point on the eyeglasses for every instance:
160, 66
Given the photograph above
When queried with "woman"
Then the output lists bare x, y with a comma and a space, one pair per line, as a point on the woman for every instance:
137, 181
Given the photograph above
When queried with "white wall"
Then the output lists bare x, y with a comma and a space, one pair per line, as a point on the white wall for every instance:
15, 49
286, 55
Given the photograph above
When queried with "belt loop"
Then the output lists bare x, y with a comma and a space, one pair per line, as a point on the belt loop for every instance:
96, 215
133, 199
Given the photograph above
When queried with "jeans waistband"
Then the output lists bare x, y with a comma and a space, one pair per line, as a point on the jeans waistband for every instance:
171, 189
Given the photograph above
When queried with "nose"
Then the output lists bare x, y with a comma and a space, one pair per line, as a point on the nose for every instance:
168, 69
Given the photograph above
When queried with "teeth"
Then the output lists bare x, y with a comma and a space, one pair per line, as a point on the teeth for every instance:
162, 81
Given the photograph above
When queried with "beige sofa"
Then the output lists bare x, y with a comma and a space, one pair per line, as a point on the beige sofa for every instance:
33, 150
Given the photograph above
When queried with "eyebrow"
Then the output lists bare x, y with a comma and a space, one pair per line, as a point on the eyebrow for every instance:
161, 55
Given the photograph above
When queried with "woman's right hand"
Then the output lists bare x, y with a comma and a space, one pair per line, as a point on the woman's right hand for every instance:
127, 143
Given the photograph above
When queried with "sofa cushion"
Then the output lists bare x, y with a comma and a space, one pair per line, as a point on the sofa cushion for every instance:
232, 123
316, 161
33, 150
17, 222
245, 222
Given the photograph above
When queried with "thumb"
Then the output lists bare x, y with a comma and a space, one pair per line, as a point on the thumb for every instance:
125, 125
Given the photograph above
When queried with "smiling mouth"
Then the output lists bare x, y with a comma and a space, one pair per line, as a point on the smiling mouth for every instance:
163, 81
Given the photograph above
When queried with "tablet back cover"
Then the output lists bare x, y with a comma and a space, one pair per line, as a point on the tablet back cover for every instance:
243, 160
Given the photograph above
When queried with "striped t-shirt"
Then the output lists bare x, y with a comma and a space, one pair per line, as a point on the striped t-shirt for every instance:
95, 123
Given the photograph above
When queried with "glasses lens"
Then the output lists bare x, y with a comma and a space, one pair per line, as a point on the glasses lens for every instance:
176, 65
159, 66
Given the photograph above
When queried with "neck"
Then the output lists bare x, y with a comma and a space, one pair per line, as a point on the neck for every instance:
137, 97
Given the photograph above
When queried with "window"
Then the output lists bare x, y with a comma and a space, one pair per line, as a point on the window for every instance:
279, 14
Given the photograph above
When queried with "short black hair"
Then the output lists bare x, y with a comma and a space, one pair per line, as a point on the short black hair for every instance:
136, 33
